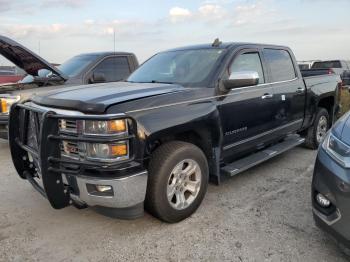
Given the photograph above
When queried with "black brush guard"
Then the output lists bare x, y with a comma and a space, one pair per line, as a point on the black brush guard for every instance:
52, 165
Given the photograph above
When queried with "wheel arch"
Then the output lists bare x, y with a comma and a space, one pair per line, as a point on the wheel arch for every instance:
200, 126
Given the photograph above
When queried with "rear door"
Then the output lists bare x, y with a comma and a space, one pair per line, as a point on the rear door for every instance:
246, 112
288, 89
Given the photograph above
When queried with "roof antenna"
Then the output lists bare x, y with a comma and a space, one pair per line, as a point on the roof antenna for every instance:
216, 43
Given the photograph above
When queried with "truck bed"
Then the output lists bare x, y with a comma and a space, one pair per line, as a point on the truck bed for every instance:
322, 82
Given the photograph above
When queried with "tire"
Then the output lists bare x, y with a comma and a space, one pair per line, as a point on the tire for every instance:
312, 139
164, 175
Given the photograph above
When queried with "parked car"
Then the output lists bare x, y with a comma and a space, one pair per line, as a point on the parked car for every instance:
186, 116
306, 65
331, 183
42, 76
339, 67
8, 79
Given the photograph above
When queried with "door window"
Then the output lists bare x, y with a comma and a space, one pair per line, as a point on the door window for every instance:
248, 62
281, 65
114, 68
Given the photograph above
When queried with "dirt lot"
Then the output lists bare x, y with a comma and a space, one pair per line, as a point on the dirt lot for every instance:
261, 215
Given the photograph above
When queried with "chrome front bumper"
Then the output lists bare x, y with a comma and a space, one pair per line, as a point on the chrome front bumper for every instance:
127, 191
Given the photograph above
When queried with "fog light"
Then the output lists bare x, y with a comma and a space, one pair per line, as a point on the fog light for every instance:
322, 200
103, 189
100, 190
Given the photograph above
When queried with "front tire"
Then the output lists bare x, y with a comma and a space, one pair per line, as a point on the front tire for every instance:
177, 182
317, 132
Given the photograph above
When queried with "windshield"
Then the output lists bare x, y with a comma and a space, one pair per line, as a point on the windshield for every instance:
76, 65
326, 65
185, 67
72, 67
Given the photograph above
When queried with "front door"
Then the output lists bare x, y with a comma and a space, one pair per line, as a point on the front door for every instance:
246, 113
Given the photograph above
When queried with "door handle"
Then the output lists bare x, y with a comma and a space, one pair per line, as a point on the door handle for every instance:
267, 96
300, 90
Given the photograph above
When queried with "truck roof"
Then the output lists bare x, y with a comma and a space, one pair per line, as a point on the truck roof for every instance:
226, 45
107, 53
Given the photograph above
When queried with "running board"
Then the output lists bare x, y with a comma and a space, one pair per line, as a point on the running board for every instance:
255, 159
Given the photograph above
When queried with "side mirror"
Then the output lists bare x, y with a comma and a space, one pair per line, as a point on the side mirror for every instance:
98, 78
241, 79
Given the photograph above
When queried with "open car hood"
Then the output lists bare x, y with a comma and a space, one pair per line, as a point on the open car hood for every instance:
25, 59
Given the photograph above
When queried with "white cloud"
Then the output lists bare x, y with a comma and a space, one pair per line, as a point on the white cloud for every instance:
27, 30
179, 14
209, 9
89, 22
64, 3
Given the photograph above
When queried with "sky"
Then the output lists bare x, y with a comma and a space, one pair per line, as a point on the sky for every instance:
60, 29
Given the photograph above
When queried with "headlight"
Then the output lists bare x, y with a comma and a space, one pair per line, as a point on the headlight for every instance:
107, 152
6, 102
337, 149
96, 151
113, 127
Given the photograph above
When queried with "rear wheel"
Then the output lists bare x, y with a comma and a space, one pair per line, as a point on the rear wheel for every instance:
317, 132
178, 181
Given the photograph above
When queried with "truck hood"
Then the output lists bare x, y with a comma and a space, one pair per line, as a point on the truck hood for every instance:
342, 129
95, 99
25, 59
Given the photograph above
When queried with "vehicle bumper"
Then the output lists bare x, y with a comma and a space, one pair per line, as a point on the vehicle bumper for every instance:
333, 181
125, 201
3, 127
37, 156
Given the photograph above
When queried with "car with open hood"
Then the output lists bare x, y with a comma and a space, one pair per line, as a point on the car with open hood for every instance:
99, 67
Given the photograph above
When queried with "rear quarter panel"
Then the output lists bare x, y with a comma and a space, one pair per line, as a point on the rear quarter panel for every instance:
318, 88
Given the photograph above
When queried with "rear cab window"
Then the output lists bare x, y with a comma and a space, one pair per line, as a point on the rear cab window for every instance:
280, 64
248, 62
326, 65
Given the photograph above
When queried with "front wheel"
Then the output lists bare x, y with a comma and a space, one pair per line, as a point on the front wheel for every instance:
317, 132
178, 181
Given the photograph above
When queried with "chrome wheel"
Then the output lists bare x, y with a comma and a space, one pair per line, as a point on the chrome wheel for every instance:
184, 184
322, 129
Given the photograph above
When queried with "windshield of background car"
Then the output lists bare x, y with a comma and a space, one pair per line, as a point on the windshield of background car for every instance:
326, 65
185, 67
76, 65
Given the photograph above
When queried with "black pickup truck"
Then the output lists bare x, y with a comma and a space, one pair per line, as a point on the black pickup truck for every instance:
87, 68
184, 117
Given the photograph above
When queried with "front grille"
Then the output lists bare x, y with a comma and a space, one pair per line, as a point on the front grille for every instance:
68, 126
70, 149
33, 130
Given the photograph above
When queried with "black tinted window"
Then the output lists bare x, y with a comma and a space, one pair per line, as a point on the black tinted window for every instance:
281, 65
114, 68
326, 65
248, 62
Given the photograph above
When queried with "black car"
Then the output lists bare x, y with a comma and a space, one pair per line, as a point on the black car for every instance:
184, 117
331, 183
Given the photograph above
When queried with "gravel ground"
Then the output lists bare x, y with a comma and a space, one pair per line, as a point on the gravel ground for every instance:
263, 214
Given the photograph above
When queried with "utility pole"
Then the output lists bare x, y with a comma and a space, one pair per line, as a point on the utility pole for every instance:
39, 47
114, 38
